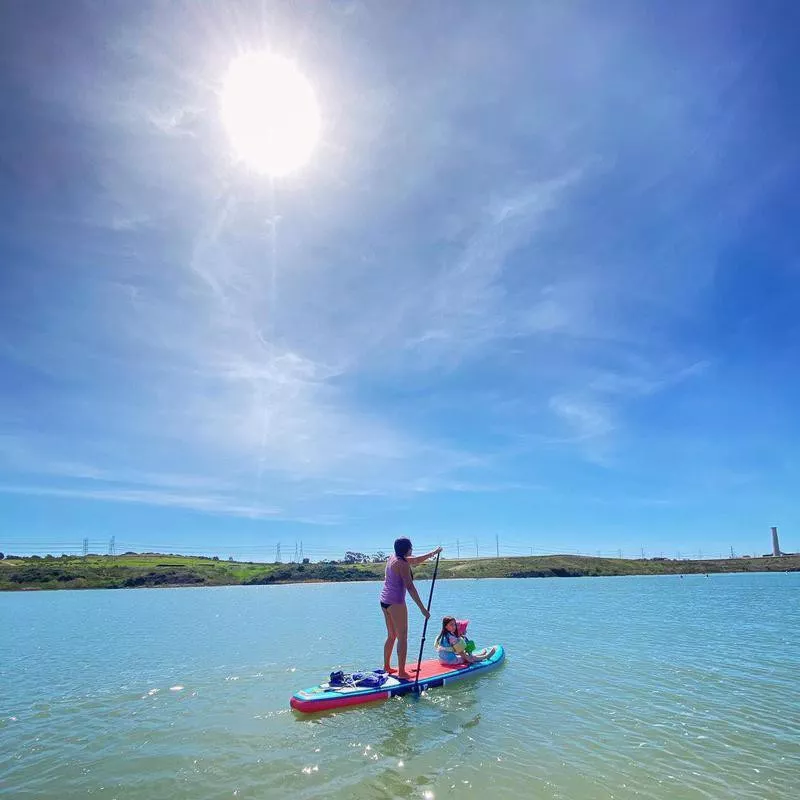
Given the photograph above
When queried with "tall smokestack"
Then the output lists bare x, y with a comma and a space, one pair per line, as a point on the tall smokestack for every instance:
776, 550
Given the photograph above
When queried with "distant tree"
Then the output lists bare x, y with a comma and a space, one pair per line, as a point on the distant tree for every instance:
306, 561
379, 556
351, 557
1, 556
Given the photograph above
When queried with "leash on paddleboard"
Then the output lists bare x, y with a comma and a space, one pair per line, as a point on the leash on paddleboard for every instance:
425, 626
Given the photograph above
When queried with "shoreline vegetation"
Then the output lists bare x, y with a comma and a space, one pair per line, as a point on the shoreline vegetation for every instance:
133, 570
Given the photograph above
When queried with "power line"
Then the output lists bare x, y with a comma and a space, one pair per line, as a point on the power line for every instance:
261, 551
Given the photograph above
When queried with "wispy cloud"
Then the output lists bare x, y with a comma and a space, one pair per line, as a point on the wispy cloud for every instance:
645, 379
588, 420
469, 487
468, 301
192, 502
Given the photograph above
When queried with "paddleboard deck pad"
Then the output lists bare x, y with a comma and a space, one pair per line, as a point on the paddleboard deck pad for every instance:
432, 674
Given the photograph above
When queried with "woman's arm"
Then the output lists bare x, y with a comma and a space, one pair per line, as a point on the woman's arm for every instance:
405, 573
414, 560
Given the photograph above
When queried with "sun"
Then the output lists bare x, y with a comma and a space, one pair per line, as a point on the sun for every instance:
270, 113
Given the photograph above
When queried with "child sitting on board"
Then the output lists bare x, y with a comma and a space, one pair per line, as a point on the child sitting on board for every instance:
453, 646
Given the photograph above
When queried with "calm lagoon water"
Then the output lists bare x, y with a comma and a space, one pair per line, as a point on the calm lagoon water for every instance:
651, 687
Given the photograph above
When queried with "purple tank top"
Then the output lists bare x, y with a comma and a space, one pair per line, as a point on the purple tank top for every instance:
394, 590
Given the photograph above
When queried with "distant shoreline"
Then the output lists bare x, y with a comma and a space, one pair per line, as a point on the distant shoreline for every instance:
149, 570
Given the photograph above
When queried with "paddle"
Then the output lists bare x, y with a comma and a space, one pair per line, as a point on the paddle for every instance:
425, 626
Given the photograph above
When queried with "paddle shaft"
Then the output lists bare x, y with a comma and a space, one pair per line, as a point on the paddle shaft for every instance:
425, 626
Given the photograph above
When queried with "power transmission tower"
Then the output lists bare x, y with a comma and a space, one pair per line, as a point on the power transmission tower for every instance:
294, 560
458, 548
497, 545
476, 548
619, 552
301, 550
643, 554
278, 553
112, 546
86, 547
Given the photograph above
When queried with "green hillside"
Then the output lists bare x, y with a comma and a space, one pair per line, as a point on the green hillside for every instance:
153, 569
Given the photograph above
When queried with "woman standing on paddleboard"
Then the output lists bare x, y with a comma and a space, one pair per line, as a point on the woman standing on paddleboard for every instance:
400, 578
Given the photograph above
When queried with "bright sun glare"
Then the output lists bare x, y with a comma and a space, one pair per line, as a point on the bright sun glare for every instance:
270, 113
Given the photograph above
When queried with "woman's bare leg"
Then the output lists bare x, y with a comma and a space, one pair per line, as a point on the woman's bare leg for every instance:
391, 638
399, 616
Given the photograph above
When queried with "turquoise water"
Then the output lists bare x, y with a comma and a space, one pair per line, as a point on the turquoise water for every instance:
652, 687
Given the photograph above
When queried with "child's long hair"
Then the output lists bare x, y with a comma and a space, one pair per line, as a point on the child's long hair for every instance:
444, 632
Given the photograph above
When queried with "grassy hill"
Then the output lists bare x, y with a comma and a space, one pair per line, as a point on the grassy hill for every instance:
154, 569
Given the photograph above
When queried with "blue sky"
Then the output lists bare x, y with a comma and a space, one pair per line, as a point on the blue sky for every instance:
538, 282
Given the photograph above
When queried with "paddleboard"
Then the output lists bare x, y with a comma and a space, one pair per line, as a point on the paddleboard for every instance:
432, 674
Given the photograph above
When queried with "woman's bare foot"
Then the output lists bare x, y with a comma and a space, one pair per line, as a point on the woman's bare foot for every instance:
389, 669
